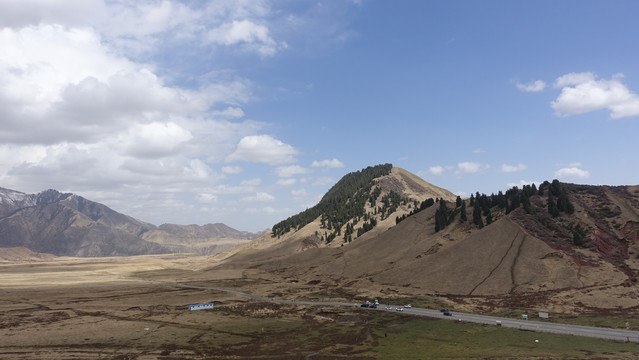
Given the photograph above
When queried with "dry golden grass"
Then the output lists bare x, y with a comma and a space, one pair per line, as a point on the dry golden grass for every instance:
79, 308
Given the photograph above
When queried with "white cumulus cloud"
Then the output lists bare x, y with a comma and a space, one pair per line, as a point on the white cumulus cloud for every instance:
513, 168
584, 92
436, 170
290, 171
469, 167
535, 86
571, 173
331, 164
263, 149
231, 112
250, 35
206, 198
259, 197
155, 139
286, 182
232, 169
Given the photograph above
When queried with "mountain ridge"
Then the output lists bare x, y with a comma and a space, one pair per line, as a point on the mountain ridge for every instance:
67, 224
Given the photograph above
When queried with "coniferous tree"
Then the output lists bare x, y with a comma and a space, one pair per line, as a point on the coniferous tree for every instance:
502, 201
527, 206
458, 201
555, 188
477, 217
579, 235
515, 200
552, 206
441, 216
489, 218
564, 204
484, 201
426, 204
463, 211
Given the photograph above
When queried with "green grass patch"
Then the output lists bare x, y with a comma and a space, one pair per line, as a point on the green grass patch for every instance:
434, 339
609, 322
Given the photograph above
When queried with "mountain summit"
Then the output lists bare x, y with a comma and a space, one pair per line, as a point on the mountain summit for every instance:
360, 205
368, 196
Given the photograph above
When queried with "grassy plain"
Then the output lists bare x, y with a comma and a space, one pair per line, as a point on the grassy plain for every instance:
447, 339
130, 308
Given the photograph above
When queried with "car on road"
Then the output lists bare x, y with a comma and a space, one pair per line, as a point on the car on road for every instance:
408, 306
400, 309
365, 305
443, 310
389, 308
447, 313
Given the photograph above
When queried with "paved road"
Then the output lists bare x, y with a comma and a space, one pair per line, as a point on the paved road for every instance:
578, 330
590, 331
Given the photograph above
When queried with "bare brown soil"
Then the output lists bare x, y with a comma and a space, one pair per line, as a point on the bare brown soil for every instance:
130, 308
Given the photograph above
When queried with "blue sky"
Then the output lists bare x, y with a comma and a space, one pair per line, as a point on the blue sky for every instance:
247, 112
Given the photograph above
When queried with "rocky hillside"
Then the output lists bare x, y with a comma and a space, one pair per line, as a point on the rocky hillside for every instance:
65, 224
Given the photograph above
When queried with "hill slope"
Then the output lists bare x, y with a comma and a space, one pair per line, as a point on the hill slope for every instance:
545, 246
360, 205
206, 239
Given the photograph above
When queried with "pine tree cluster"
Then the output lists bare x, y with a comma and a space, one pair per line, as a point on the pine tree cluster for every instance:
417, 208
347, 201
562, 202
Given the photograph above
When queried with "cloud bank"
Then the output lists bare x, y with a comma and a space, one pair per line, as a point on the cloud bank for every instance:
585, 92
571, 173
86, 104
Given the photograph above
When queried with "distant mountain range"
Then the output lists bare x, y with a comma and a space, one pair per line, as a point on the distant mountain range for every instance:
65, 224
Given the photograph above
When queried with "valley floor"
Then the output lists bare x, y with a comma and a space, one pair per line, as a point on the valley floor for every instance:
119, 308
